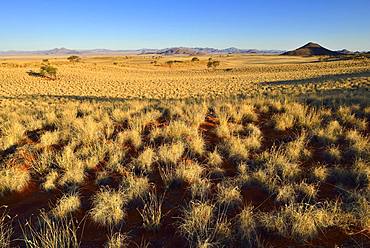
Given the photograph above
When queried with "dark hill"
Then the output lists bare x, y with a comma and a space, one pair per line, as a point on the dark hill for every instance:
312, 49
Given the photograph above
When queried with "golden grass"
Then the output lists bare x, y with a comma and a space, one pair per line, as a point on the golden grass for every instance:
48, 232
210, 155
152, 211
66, 205
136, 77
117, 240
6, 229
108, 207
14, 179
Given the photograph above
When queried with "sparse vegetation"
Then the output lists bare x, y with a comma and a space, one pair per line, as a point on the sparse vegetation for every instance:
208, 159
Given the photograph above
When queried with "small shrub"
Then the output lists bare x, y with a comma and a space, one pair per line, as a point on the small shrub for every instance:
213, 64
74, 58
48, 71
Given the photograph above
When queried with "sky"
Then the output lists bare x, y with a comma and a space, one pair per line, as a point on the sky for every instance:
127, 24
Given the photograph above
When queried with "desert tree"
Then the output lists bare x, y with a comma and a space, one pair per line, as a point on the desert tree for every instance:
213, 64
74, 58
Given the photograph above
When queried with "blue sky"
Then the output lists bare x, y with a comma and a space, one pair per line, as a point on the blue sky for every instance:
267, 24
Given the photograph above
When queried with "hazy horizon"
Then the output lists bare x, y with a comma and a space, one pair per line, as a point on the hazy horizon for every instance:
269, 25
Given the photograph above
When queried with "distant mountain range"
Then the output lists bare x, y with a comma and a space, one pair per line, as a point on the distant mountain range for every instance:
65, 51
310, 49
166, 51
207, 50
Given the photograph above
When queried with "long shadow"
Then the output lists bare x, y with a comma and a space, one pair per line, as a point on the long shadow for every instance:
319, 79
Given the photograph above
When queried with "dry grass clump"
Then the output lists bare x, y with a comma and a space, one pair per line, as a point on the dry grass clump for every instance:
203, 227
152, 211
247, 224
108, 207
66, 205
346, 116
145, 160
73, 168
50, 138
168, 175
49, 232
42, 163
196, 222
11, 134
222, 130
301, 221
50, 181
286, 193
237, 148
242, 113
196, 145
358, 144
304, 116
131, 136
362, 169
308, 191
178, 130
362, 212
330, 133
228, 196
320, 173
6, 229
278, 163
333, 154
201, 189
73, 175
195, 114
188, 171
87, 130
296, 149
14, 178
118, 240
214, 158
283, 121
135, 187
171, 153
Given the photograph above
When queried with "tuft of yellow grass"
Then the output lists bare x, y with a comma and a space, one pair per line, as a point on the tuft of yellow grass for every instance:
14, 178
108, 207
171, 153
66, 205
